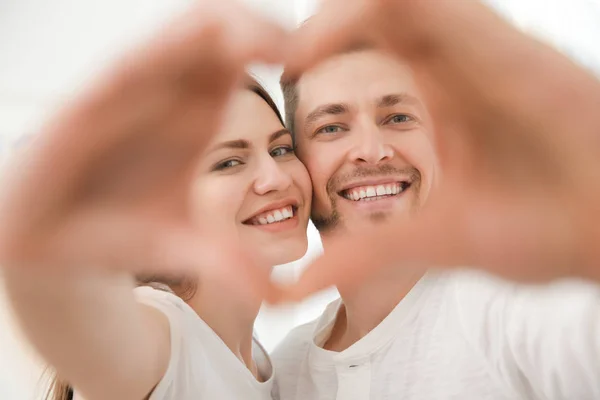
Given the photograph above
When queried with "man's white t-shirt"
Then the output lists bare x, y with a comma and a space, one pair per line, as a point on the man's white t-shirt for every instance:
201, 366
461, 335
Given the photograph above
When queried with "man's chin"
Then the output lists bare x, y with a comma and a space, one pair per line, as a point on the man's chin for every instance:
379, 217
325, 224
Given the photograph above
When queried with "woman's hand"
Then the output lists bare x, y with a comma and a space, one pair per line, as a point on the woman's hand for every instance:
107, 182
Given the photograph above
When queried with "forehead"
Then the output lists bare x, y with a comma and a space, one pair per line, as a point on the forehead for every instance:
247, 116
356, 77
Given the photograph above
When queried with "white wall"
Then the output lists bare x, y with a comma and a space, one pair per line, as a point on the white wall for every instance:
48, 49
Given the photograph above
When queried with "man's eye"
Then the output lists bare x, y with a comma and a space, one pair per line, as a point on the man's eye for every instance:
400, 119
330, 129
227, 164
281, 151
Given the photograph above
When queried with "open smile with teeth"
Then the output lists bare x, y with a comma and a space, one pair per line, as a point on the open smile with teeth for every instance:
273, 216
374, 192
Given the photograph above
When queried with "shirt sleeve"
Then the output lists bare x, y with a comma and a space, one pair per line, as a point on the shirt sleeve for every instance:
544, 341
173, 308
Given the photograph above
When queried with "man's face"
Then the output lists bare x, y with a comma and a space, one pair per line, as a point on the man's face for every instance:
364, 135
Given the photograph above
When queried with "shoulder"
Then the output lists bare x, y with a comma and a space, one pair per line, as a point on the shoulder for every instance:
496, 315
478, 295
189, 344
158, 298
299, 339
289, 356
184, 323
295, 345
179, 314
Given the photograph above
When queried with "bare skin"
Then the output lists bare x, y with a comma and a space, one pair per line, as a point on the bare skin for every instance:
519, 191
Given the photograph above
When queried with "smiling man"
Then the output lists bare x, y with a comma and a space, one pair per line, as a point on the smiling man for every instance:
365, 141
365, 136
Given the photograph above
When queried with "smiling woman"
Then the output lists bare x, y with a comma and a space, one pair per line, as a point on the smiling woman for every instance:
250, 171
76, 37
252, 187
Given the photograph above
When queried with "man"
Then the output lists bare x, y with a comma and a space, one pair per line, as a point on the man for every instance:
516, 171
364, 134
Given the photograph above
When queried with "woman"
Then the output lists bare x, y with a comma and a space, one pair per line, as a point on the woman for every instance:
118, 202
250, 182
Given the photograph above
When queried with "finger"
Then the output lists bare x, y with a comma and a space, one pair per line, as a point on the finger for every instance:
401, 244
239, 33
254, 38
154, 160
336, 26
155, 247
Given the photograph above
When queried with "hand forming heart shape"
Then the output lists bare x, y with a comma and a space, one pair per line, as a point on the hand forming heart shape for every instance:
107, 182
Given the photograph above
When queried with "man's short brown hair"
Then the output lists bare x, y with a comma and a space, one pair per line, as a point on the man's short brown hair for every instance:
289, 88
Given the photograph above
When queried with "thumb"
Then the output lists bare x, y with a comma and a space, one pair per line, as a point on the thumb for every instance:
216, 259
150, 246
351, 259
335, 27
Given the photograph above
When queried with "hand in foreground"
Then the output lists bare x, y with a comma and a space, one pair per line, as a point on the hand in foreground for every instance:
517, 132
107, 183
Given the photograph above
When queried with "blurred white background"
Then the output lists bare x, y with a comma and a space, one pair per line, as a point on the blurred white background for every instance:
49, 49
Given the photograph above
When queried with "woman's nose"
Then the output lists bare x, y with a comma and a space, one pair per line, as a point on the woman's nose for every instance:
271, 177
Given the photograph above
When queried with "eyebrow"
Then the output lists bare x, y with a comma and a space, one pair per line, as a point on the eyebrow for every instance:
241, 144
276, 135
391, 100
232, 144
326, 109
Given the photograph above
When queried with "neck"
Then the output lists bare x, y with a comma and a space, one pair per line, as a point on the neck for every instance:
367, 306
230, 317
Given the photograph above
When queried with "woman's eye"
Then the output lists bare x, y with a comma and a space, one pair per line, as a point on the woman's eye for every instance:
281, 151
227, 164
330, 129
400, 119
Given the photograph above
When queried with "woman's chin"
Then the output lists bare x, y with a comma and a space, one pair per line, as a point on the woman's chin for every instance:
280, 254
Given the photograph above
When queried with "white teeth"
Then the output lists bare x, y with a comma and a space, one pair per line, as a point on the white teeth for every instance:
278, 215
371, 192
274, 216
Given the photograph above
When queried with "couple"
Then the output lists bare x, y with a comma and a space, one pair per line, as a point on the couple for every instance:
178, 155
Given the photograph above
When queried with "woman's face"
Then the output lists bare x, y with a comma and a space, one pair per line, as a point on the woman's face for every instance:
251, 184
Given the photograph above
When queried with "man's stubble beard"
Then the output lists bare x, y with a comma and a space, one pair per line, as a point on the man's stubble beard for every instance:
327, 224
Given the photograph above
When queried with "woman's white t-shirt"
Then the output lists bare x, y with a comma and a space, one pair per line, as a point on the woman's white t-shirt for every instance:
201, 366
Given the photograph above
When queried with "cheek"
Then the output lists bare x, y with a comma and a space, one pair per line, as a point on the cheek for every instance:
216, 201
300, 176
419, 152
322, 164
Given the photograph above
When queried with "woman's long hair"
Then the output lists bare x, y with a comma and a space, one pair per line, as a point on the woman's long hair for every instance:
182, 287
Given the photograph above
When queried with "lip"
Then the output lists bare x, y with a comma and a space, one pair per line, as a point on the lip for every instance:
282, 226
274, 206
382, 204
376, 182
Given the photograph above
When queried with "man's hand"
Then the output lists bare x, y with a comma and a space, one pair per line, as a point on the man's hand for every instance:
517, 133
107, 182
